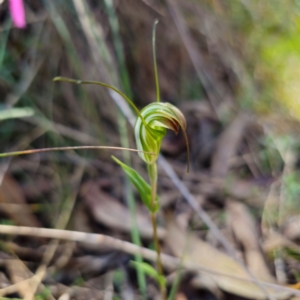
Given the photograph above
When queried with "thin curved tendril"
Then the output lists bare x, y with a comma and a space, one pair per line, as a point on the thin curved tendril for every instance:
77, 81
154, 61
24, 152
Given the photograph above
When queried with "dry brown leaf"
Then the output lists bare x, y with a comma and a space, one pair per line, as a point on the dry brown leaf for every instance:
244, 230
228, 143
201, 253
80, 219
108, 211
13, 203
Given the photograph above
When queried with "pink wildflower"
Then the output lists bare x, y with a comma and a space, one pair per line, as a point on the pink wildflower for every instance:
17, 13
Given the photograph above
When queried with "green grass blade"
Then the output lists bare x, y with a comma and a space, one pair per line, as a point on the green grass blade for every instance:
154, 61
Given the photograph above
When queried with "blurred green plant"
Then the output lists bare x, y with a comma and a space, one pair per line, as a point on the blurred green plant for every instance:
267, 33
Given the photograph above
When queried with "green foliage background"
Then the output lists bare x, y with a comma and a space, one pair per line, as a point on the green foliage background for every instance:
269, 31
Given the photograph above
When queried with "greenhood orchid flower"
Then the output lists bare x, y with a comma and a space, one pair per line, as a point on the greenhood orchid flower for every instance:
158, 117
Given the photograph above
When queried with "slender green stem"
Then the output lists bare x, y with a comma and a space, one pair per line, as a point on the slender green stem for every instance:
154, 61
152, 171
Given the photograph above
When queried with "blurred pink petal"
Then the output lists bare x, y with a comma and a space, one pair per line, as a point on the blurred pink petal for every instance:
17, 13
